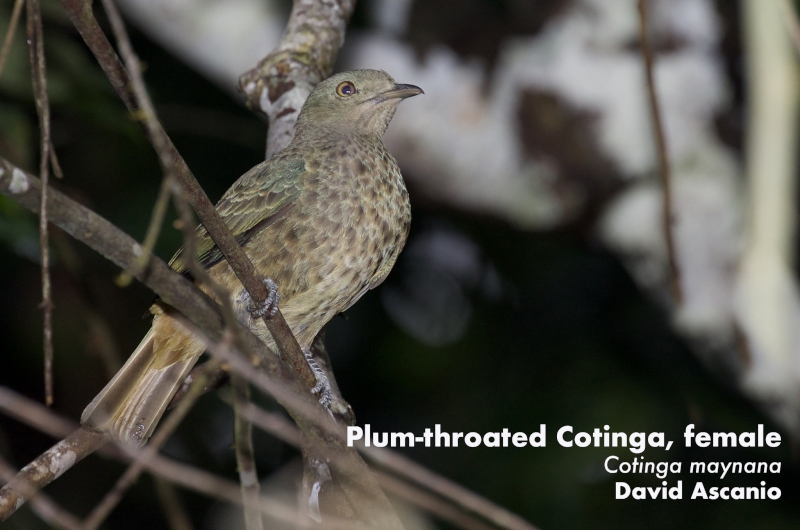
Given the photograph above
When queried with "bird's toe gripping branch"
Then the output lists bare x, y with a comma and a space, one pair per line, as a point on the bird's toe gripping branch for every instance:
323, 387
270, 305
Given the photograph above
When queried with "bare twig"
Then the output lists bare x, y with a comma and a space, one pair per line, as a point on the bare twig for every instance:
100, 338
12, 29
663, 157
214, 380
55, 165
162, 434
112, 243
39, 79
176, 515
365, 500
243, 445
153, 231
42, 505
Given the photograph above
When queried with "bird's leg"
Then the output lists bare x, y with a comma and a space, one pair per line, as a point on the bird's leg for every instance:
270, 306
323, 387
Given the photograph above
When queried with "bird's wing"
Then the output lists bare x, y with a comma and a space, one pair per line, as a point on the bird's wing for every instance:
258, 199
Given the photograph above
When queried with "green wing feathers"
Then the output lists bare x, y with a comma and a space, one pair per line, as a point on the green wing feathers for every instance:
255, 201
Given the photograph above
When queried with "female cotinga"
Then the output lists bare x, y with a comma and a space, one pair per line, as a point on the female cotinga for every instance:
325, 219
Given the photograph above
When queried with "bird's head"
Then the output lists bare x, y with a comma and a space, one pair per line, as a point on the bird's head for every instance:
361, 101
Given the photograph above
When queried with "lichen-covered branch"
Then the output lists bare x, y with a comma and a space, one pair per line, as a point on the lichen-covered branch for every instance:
282, 81
46, 468
44, 507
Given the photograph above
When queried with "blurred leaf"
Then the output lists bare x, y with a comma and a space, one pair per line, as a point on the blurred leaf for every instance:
19, 229
15, 134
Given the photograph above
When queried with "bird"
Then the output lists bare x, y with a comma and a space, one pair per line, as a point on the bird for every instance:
324, 219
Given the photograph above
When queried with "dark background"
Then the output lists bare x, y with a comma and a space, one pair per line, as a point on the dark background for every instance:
541, 328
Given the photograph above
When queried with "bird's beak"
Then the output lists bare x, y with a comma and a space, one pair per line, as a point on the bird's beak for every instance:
402, 91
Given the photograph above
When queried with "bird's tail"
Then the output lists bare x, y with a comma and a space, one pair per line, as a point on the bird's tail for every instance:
132, 403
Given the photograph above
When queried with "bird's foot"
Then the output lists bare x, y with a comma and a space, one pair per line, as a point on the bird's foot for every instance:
323, 387
270, 305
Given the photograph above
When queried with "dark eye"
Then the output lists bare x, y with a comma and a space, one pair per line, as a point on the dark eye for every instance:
346, 89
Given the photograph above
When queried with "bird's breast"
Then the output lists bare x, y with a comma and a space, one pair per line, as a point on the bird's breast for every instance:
362, 214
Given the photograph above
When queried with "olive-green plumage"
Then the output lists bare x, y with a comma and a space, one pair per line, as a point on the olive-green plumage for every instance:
325, 219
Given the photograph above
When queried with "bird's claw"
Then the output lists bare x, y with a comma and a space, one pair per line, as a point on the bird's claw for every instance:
322, 389
270, 305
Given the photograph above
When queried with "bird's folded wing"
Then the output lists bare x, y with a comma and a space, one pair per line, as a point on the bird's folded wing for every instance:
257, 200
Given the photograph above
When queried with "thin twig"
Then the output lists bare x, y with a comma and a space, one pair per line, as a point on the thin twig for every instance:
55, 165
675, 285
356, 480
165, 430
39, 80
12, 28
214, 380
100, 339
147, 115
245, 460
153, 231
42, 505
186, 223
176, 514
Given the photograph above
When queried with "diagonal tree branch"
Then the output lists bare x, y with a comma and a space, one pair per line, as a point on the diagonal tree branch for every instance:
47, 510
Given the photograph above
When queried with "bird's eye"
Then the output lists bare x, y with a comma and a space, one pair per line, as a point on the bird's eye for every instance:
346, 89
